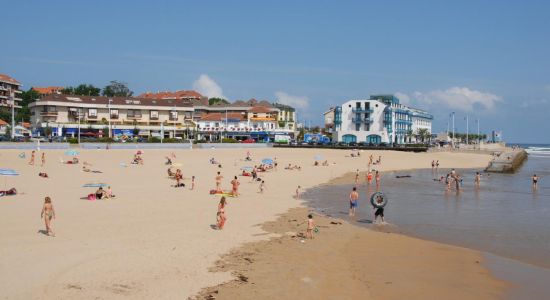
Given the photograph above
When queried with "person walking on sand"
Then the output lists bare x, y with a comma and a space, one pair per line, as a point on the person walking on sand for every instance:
535, 180
31, 162
353, 197
262, 187
437, 165
43, 159
310, 226
48, 213
298, 192
219, 178
192, 182
235, 187
221, 218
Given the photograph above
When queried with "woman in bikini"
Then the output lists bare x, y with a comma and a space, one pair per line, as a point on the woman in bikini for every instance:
48, 212
43, 159
221, 213
219, 178
31, 162
235, 187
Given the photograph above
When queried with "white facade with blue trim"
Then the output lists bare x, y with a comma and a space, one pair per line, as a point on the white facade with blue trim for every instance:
380, 119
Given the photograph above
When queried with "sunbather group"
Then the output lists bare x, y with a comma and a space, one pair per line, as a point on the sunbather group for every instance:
291, 167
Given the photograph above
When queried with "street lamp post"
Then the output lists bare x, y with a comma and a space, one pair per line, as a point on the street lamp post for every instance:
453, 139
109, 106
78, 112
175, 121
12, 102
467, 129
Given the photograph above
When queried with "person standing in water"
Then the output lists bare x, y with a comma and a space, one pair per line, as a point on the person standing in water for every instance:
535, 179
298, 192
353, 197
477, 179
356, 176
377, 178
48, 213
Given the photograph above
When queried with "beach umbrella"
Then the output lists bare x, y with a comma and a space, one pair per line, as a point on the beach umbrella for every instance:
95, 185
8, 172
247, 168
71, 152
267, 161
318, 157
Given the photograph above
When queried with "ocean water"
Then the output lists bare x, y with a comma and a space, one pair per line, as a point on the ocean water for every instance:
504, 216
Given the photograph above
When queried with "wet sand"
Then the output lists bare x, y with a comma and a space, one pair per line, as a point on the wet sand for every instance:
347, 262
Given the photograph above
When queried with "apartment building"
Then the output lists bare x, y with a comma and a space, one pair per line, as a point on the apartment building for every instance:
379, 119
10, 90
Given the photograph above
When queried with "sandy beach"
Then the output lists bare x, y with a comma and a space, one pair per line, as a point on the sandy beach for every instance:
157, 241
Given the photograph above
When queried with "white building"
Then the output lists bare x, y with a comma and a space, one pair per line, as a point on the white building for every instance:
380, 119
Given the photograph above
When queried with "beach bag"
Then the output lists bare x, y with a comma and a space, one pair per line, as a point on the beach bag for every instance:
213, 192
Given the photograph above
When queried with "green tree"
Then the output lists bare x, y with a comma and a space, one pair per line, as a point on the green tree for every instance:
216, 101
423, 133
24, 112
409, 134
117, 89
81, 90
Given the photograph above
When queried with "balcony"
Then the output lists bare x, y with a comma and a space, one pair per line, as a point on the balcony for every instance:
48, 113
133, 117
91, 117
154, 118
362, 120
114, 117
362, 110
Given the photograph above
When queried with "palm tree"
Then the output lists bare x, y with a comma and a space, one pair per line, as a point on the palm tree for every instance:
423, 133
409, 134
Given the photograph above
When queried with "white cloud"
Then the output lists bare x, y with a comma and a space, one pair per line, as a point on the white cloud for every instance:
403, 98
300, 102
459, 98
208, 87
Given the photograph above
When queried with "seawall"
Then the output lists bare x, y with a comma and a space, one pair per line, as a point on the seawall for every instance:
508, 161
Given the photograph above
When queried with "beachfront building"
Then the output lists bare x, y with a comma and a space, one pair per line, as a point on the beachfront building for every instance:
95, 115
164, 117
286, 116
379, 119
329, 120
9, 88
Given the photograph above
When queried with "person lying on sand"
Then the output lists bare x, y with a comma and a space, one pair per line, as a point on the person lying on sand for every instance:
74, 161
168, 161
100, 193
213, 161
170, 172
10, 192
325, 163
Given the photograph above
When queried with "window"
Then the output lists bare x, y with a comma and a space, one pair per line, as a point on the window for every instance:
154, 115
173, 115
92, 113
114, 113
134, 113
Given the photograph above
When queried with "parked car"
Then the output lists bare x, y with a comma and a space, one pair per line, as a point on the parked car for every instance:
352, 144
293, 143
249, 141
363, 144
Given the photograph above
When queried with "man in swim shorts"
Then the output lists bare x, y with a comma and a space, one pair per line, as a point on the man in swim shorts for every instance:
353, 197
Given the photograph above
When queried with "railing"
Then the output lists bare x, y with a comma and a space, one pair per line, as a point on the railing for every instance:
362, 120
134, 117
48, 113
362, 110
91, 117
115, 117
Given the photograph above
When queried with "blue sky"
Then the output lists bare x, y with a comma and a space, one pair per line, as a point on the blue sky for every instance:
487, 59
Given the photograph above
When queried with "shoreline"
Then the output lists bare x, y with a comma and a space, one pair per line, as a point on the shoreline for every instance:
338, 263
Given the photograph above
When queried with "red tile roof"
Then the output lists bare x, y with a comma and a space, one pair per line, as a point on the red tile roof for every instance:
171, 95
221, 116
259, 109
3, 123
6, 78
47, 90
